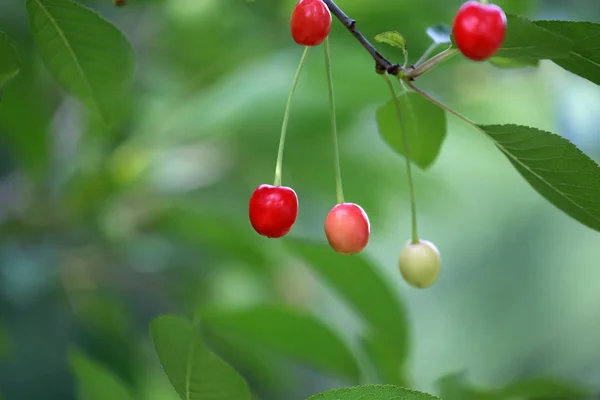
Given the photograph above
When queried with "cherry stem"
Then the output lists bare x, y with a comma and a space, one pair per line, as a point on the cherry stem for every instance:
426, 66
336, 151
382, 64
286, 117
413, 203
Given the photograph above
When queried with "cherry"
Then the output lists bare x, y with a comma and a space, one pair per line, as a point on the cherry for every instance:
347, 228
479, 29
310, 22
420, 263
273, 210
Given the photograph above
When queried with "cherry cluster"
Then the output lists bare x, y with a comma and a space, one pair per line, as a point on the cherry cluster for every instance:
273, 209
478, 30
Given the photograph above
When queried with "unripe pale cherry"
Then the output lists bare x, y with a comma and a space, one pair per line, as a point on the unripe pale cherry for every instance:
273, 210
479, 29
310, 22
420, 263
347, 228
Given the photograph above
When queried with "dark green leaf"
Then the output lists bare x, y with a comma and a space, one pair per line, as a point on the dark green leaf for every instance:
290, 332
511, 63
9, 63
373, 392
525, 39
95, 382
86, 54
392, 38
584, 58
5, 343
357, 281
425, 126
440, 33
194, 371
555, 167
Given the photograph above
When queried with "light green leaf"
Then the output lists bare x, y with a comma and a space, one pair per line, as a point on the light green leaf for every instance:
425, 126
392, 38
525, 39
9, 63
289, 332
510, 63
555, 167
194, 371
440, 33
374, 392
357, 281
584, 58
85, 54
94, 381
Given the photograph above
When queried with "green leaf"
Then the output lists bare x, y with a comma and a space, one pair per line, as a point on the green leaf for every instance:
289, 332
510, 63
194, 371
555, 167
392, 38
373, 392
584, 57
9, 63
357, 281
543, 388
440, 33
425, 126
95, 382
85, 54
525, 39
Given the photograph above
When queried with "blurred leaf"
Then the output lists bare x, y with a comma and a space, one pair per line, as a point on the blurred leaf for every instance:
393, 38
440, 33
357, 281
194, 371
86, 54
373, 392
290, 332
9, 63
454, 386
543, 388
525, 39
96, 382
555, 167
425, 125
510, 63
5, 343
584, 58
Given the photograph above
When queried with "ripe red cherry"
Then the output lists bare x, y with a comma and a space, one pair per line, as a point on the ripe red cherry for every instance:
310, 23
347, 228
479, 30
273, 210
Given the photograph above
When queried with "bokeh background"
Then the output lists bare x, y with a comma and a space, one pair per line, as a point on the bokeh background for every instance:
100, 232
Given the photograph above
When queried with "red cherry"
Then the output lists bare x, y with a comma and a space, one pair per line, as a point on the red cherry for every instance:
310, 23
479, 29
347, 228
273, 210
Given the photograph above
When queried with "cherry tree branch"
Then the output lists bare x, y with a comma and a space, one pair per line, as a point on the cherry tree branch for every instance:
382, 64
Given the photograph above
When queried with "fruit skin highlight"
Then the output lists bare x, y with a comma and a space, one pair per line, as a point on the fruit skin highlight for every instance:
273, 210
479, 30
310, 22
347, 228
420, 263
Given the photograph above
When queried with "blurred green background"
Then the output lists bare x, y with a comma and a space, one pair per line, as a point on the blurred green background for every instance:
102, 231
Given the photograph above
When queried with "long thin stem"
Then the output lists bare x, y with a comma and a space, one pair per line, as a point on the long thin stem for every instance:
336, 151
286, 117
430, 64
382, 63
413, 203
426, 54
